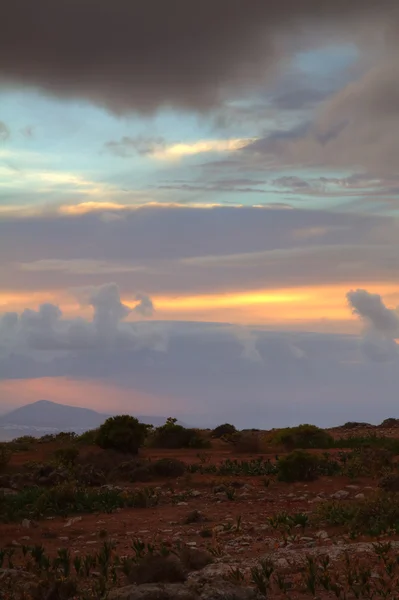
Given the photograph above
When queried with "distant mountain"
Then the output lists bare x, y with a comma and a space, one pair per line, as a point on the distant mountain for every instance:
50, 414
44, 416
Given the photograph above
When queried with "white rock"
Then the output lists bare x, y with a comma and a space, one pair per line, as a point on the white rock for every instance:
340, 495
72, 521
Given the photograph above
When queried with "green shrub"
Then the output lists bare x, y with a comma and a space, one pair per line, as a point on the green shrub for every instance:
303, 437
168, 467
173, 436
248, 442
67, 456
371, 440
222, 430
368, 462
5, 456
373, 515
298, 466
68, 498
88, 437
122, 433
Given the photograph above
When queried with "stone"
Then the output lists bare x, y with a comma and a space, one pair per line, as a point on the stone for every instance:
26, 523
215, 590
171, 591
340, 495
360, 496
72, 521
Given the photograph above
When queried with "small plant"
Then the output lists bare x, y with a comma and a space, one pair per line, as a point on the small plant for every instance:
236, 576
230, 494
261, 575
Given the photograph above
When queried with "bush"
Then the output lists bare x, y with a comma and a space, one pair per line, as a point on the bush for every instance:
298, 466
122, 433
373, 516
5, 456
175, 436
248, 442
303, 437
168, 467
66, 456
88, 437
369, 462
222, 430
371, 440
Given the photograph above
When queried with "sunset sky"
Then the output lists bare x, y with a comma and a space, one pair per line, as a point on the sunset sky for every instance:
198, 208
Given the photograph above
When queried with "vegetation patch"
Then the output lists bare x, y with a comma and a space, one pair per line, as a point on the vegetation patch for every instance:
303, 437
174, 436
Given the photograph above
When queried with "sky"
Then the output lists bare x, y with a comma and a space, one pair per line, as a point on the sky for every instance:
199, 208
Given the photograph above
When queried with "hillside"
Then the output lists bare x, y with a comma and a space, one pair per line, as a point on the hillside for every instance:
45, 416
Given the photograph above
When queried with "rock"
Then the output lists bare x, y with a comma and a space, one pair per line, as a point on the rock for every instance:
340, 495
322, 535
224, 590
216, 590
195, 494
72, 521
158, 569
26, 523
153, 592
360, 496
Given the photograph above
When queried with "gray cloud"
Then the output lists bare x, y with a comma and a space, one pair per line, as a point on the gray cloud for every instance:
143, 55
4, 132
145, 306
356, 128
275, 248
128, 146
260, 378
45, 330
372, 309
381, 325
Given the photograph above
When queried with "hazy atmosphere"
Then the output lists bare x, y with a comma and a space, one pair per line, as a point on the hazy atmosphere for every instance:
198, 208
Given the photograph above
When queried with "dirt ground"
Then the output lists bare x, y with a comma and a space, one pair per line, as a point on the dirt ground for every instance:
236, 531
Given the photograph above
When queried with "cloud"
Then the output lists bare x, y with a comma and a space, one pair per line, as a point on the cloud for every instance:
177, 151
381, 325
4, 132
372, 309
355, 128
145, 306
128, 146
258, 377
143, 55
46, 330
214, 250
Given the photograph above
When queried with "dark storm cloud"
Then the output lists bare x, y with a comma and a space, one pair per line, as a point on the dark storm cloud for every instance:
141, 55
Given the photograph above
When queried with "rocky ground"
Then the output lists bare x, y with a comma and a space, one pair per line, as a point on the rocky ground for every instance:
238, 522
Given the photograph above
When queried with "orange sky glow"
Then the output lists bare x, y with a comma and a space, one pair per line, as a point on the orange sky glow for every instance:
301, 307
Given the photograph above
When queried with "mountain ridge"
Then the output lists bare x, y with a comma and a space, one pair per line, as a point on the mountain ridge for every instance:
45, 416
